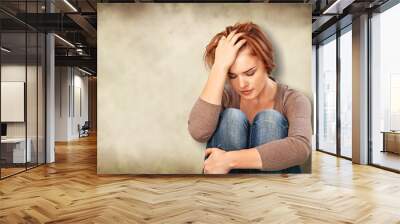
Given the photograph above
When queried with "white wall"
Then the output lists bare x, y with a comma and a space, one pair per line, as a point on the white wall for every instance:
71, 93
79, 117
12, 73
61, 103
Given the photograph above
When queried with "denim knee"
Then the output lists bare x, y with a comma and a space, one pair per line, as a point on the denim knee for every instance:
234, 116
268, 125
232, 130
271, 116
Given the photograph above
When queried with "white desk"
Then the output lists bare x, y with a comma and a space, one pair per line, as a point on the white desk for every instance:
19, 149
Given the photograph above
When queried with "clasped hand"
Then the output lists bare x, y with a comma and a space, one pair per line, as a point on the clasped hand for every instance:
218, 161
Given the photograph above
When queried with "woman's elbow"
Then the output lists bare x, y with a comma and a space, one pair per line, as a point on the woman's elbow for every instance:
304, 153
199, 134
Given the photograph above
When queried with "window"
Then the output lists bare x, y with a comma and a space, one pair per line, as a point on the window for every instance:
327, 95
346, 93
385, 88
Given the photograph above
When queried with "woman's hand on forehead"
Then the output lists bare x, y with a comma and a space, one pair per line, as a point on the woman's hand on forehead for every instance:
227, 49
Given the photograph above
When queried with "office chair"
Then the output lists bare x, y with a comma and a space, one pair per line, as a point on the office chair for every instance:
84, 130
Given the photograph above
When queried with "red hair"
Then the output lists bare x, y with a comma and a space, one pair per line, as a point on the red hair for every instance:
256, 41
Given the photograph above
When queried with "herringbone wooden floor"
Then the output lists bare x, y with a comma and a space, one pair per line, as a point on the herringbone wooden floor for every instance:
69, 191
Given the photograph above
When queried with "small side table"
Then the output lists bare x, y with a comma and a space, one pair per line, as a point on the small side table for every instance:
391, 141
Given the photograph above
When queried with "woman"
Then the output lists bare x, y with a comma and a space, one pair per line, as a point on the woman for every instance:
250, 122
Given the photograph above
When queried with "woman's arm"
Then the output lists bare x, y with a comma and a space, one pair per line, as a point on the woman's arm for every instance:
204, 115
203, 120
296, 148
245, 159
214, 87
225, 55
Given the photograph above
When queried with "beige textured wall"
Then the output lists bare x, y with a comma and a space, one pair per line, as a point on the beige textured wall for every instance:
150, 72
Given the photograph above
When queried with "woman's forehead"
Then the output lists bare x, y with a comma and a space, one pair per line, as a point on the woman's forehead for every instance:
244, 61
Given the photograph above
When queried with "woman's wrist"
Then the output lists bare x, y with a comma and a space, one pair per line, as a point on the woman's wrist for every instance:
244, 159
232, 159
213, 90
219, 70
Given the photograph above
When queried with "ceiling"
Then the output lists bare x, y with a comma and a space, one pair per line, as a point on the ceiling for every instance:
76, 22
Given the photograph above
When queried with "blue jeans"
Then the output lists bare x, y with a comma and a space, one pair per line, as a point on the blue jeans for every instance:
234, 132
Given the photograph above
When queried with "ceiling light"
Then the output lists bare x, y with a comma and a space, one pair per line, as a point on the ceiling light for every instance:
5, 50
64, 40
84, 71
338, 6
70, 5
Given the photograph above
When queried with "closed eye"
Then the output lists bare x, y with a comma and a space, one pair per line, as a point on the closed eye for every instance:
251, 73
232, 76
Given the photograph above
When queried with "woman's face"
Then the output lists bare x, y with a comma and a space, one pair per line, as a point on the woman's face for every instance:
247, 74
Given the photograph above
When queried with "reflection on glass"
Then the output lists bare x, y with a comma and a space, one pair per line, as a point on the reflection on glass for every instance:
13, 85
385, 86
31, 86
41, 99
346, 94
22, 91
327, 96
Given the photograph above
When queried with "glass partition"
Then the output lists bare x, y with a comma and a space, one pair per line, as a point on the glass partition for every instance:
32, 95
327, 96
22, 77
41, 86
14, 153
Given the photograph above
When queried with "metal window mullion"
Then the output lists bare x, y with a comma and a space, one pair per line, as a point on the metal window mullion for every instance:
317, 97
369, 90
37, 90
69, 93
0, 95
338, 98
60, 75
45, 95
73, 92
26, 86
